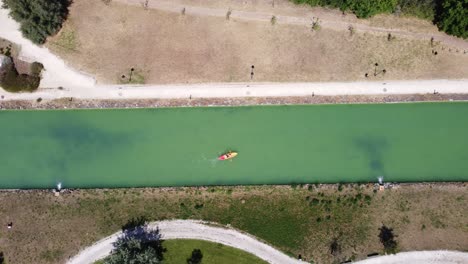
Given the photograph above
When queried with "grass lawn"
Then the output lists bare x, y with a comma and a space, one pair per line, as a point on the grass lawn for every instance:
178, 250
295, 219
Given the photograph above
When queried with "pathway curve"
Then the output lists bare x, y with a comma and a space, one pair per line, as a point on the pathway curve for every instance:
305, 20
193, 229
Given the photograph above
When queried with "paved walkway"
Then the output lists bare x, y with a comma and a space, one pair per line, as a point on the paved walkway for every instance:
230, 90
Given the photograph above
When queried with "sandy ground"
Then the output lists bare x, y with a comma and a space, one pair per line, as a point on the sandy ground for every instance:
202, 46
191, 229
262, 13
56, 73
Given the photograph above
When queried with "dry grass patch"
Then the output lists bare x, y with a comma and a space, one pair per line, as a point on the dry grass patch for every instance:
175, 48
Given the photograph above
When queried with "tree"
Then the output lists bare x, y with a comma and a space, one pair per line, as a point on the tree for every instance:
452, 17
38, 18
388, 239
196, 257
137, 245
2, 258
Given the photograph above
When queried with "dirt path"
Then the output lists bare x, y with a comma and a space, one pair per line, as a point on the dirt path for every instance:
191, 229
338, 23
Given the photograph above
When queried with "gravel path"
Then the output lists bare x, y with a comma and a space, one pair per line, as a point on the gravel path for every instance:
192, 229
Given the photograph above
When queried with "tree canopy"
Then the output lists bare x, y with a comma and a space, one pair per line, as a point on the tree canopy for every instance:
452, 17
137, 245
38, 18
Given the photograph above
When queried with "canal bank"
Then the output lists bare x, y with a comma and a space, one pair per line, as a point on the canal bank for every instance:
276, 145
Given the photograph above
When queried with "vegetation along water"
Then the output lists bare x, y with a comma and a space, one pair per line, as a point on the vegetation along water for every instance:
276, 145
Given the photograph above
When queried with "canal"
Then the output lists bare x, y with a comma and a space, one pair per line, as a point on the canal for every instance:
276, 145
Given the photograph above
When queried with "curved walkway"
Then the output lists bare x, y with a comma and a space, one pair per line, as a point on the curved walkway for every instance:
56, 72
193, 229
336, 24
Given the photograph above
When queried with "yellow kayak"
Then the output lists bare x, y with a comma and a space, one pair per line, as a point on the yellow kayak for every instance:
229, 155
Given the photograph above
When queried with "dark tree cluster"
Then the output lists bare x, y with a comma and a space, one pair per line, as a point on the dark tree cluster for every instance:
137, 245
38, 18
452, 17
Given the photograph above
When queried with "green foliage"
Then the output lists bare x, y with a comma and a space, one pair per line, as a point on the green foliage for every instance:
38, 18
12, 81
424, 9
36, 69
362, 8
452, 17
137, 245
196, 257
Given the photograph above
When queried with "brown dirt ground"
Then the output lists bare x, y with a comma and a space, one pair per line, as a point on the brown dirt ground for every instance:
171, 48
48, 229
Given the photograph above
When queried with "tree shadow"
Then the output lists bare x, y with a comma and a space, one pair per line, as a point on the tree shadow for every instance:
134, 223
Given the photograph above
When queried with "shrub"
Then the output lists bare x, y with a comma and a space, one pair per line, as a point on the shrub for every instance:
362, 8
452, 17
388, 239
38, 18
196, 257
36, 69
12, 81
424, 9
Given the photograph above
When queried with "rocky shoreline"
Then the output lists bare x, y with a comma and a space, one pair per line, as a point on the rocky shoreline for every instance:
73, 103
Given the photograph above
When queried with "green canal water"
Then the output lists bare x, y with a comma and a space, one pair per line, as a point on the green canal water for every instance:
276, 145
